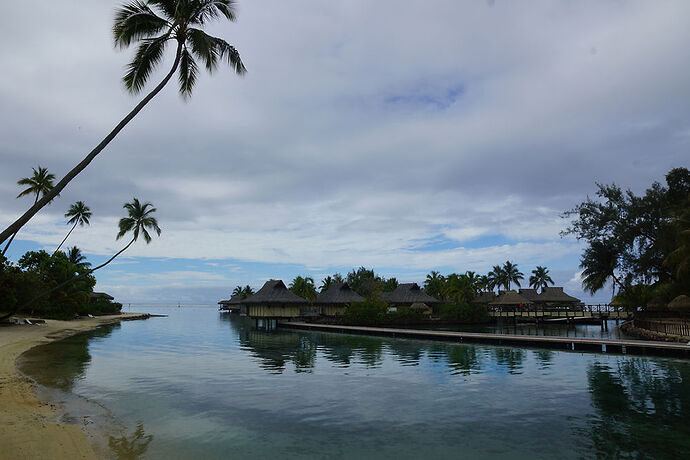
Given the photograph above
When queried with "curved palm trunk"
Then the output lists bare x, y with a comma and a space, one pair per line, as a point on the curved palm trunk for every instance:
15, 233
65, 283
65, 239
19, 223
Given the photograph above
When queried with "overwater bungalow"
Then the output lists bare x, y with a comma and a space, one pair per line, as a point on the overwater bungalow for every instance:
407, 294
554, 296
231, 305
510, 299
334, 300
273, 300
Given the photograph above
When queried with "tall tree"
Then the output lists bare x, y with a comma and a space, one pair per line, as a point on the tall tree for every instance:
540, 278
599, 263
139, 221
39, 184
496, 277
434, 285
304, 287
154, 24
512, 274
79, 214
75, 257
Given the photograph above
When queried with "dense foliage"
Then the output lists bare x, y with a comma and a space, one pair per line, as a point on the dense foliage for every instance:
638, 244
376, 313
464, 313
38, 271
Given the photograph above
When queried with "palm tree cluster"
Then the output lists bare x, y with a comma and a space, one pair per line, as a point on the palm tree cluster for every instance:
243, 292
303, 286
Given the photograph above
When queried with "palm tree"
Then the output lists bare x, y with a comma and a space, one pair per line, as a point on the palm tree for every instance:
139, 221
38, 184
77, 258
326, 283
78, 213
495, 278
304, 287
540, 278
246, 292
434, 285
599, 261
154, 24
512, 274
237, 291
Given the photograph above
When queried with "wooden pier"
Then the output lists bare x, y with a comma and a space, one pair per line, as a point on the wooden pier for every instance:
577, 344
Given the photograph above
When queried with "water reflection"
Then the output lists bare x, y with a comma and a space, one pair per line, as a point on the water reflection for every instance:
69, 359
131, 446
641, 409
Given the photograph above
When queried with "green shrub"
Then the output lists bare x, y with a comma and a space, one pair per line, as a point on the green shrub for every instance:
464, 313
367, 313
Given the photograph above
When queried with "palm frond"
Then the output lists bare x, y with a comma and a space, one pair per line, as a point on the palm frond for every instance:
149, 54
205, 10
231, 55
188, 73
135, 21
169, 7
204, 47
125, 225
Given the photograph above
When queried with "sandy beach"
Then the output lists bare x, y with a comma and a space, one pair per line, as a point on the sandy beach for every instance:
28, 428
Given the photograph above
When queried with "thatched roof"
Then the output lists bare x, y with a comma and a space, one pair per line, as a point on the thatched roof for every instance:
510, 298
555, 294
274, 291
530, 294
408, 293
338, 293
101, 295
680, 303
234, 300
484, 297
422, 307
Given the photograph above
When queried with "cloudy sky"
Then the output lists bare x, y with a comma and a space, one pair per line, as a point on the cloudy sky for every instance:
444, 135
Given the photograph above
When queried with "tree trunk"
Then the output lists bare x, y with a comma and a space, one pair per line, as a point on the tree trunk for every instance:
15, 233
65, 239
19, 223
71, 280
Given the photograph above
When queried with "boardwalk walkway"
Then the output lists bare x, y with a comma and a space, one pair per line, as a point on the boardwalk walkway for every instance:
559, 343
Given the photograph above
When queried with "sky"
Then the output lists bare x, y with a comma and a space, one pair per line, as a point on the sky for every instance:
444, 135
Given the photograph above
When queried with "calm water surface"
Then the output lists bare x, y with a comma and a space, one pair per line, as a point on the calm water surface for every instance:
200, 384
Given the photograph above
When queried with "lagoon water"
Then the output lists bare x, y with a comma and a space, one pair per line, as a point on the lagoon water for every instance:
201, 384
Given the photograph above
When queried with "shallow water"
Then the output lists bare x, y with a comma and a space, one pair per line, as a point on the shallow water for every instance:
200, 384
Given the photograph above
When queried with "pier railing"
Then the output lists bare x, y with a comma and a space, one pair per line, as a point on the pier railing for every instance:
679, 327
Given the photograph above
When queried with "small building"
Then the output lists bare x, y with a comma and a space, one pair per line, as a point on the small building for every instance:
95, 296
484, 298
555, 297
407, 294
232, 305
273, 300
511, 299
334, 300
529, 294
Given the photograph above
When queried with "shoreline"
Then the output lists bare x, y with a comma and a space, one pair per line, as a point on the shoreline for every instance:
30, 428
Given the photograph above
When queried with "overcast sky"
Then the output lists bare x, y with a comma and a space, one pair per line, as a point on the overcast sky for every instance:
443, 135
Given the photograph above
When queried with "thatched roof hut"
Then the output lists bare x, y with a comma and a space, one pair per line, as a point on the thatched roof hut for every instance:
273, 300
424, 308
484, 297
232, 304
101, 295
530, 294
407, 294
510, 299
680, 303
338, 294
274, 292
555, 295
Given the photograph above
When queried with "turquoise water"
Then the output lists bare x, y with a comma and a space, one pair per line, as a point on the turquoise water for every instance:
199, 384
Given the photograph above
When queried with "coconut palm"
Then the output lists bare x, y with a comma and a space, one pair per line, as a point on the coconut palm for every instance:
237, 291
77, 258
512, 274
326, 283
246, 292
540, 278
139, 222
38, 184
79, 214
434, 285
599, 261
496, 277
304, 287
154, 24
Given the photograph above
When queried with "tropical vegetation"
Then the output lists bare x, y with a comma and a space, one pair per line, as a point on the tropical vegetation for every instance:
636, 244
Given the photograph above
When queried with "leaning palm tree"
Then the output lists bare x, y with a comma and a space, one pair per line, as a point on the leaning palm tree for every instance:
154, 24
139, 222
512, 274
79, 214
38, 184
540, 278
